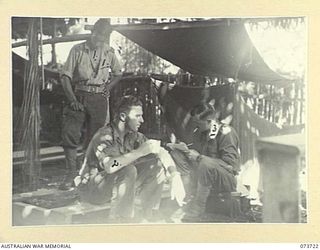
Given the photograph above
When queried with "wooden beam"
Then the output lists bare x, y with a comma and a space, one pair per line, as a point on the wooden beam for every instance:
71, 38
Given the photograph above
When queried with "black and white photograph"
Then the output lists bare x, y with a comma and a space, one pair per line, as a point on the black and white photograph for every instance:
162, 120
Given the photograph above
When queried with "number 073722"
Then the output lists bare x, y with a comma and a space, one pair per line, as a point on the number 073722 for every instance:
308, 246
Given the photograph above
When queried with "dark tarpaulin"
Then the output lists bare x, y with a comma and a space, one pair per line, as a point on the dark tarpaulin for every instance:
205, 49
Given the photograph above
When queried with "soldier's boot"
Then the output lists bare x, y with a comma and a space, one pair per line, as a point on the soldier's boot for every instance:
196, 210
71, 166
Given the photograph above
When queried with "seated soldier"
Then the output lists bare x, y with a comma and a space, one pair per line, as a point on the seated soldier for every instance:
216, 156
119, 156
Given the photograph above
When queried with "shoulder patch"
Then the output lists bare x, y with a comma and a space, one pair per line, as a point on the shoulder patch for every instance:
105, 133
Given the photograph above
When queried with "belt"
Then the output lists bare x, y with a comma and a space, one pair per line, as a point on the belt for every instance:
90, 88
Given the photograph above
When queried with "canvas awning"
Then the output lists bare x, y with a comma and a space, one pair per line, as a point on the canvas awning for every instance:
207, 48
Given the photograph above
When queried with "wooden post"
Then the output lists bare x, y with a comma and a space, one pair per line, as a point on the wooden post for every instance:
289, 105
274, 106
265, 105
53, 45
270, 102
302, 105
257, 110
299, 104
295, 103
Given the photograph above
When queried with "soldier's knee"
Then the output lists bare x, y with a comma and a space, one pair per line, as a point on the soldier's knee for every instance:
156, 171
202, 168
70, 137
205, 169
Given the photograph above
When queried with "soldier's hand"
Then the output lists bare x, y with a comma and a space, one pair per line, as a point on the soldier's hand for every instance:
78, 180
177, 189
193, 154
229, 168
77, 106
180, 146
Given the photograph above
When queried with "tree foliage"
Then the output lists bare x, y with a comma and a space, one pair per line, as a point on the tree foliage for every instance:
138, 60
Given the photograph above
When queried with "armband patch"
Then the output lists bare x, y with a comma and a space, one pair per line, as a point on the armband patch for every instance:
115, 163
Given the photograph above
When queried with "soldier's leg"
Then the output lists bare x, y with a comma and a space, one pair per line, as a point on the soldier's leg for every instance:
186, 169
122, 205
99, 188
71, 134
211, 174
150, 181
97, 110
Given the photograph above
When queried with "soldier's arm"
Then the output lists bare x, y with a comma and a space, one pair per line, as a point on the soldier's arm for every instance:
111, 162
67, 88
116, 71
229, 148
67, 74
114, 164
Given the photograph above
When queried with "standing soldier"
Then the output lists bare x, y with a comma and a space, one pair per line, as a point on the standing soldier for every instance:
85, 81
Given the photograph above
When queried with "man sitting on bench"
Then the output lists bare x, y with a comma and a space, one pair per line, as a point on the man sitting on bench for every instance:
216, 160
118, 155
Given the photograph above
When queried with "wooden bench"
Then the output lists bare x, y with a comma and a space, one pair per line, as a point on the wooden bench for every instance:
29, 214
76, 212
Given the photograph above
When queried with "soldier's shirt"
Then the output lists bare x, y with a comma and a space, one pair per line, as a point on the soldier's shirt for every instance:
86, 65
106, 144
95, 54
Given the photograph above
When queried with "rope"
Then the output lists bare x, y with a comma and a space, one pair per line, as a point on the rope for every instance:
30, 111
41, 55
